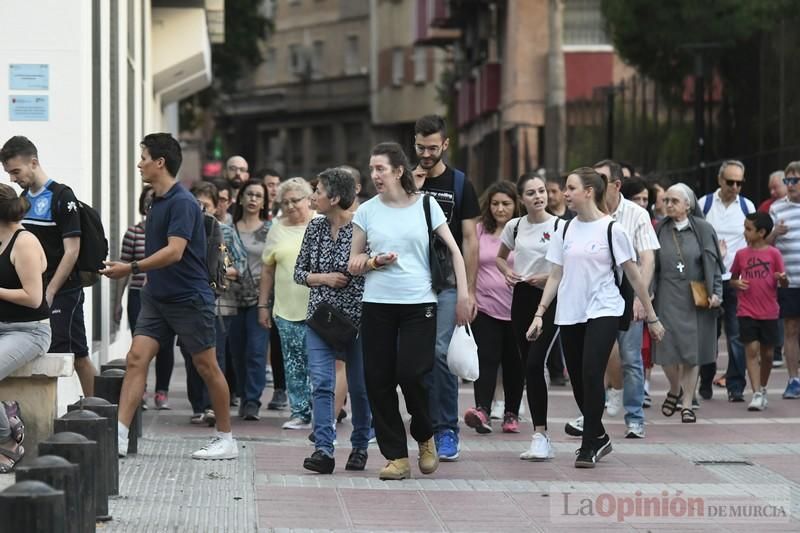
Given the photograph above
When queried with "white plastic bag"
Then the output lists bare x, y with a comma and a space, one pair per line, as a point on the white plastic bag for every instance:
462, 355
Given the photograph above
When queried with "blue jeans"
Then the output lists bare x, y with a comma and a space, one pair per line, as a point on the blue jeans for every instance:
248, 342
442, 385
630, 352
735, 380
322, 371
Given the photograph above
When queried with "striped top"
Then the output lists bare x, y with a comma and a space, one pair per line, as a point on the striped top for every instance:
133, 250
788, 244
636, 222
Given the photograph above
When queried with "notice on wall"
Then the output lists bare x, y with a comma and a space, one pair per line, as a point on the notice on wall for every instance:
28, 108
28, 77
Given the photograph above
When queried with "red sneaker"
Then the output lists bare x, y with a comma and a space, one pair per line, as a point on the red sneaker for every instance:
510, 423
477, 419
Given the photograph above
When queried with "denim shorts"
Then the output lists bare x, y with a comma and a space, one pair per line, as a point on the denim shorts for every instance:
193, 321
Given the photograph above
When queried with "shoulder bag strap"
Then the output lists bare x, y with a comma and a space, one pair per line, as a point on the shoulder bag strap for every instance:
613, 259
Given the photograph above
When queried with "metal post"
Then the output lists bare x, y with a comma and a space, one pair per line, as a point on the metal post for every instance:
32, 506
61, 475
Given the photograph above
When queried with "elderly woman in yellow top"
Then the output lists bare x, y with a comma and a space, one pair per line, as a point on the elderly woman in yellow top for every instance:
291, 300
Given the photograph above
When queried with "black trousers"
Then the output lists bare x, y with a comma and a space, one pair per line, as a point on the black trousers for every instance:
587, 347
276, 360
496, 345
534, 354
399, 349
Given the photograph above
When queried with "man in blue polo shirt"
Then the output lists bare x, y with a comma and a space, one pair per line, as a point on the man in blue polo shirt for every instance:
177, 298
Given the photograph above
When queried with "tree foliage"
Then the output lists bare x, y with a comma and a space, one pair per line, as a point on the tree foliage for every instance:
750, 46
661, 39
245, 29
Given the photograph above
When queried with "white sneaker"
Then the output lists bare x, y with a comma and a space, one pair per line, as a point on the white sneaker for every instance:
540, 449
122, 446
575, 427
759, 401
635, 431
296, 423
498, 410
218, 448
614, 402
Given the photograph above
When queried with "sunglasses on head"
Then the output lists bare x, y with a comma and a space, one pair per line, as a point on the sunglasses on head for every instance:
734, 183
791, 181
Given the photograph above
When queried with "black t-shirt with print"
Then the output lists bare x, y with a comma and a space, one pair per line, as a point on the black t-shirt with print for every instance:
53, 217
442, 188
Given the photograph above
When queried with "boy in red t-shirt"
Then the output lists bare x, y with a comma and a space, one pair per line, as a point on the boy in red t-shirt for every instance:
756, 272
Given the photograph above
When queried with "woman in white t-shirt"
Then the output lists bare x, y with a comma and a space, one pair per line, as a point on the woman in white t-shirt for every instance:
589, 301
529, 237
398, 325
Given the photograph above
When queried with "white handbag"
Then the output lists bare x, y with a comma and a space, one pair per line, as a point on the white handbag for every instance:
462, 354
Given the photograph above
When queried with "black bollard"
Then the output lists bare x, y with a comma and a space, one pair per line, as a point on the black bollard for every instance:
93, 427
32, 506
61, 475
109, 412
81, 451
114, 363
122, 364
108, 385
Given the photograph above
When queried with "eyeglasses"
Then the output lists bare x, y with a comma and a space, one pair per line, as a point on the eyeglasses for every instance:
292, 201
434, 150
734, 183
254, 195
233, 168
791, 181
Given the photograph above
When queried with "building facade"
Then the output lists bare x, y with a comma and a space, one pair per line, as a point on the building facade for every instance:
306, 106
337, 77
107, 73
499, 74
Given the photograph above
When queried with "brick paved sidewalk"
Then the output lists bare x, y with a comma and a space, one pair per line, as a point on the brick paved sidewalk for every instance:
750, 457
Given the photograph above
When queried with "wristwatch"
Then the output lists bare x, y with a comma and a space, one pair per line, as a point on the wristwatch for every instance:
135, 267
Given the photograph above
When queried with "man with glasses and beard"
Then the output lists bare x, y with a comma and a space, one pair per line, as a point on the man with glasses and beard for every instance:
457, 198
725, 209
236, 172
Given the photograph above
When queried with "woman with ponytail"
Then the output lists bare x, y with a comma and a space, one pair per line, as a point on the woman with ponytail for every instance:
24, 316
586, 255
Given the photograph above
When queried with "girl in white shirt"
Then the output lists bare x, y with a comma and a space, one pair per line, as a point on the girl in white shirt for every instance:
589, 301
529, 237
398, 325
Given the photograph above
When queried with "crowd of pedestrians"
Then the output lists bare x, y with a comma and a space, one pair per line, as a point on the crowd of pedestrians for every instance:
588, 279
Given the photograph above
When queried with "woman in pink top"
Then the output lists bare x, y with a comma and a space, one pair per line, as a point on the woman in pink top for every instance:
492, 325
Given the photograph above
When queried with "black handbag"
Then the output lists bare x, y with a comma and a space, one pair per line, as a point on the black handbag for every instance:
333, 326
442, 272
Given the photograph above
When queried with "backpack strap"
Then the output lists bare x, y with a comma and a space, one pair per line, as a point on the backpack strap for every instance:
516, 229
564, 234
426, 206
458, 188
613, 259
555, 228
743, 205
707, 205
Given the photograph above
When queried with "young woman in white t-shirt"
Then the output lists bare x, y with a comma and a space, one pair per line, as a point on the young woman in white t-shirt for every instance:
492, 325
589, 301
529, 237
398, 325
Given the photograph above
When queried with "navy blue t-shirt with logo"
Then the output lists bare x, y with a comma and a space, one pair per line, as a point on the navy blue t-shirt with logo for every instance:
177, 214
52, 218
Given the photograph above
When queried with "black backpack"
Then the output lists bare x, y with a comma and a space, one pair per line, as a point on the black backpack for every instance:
94, 245
623, 285
217, 257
